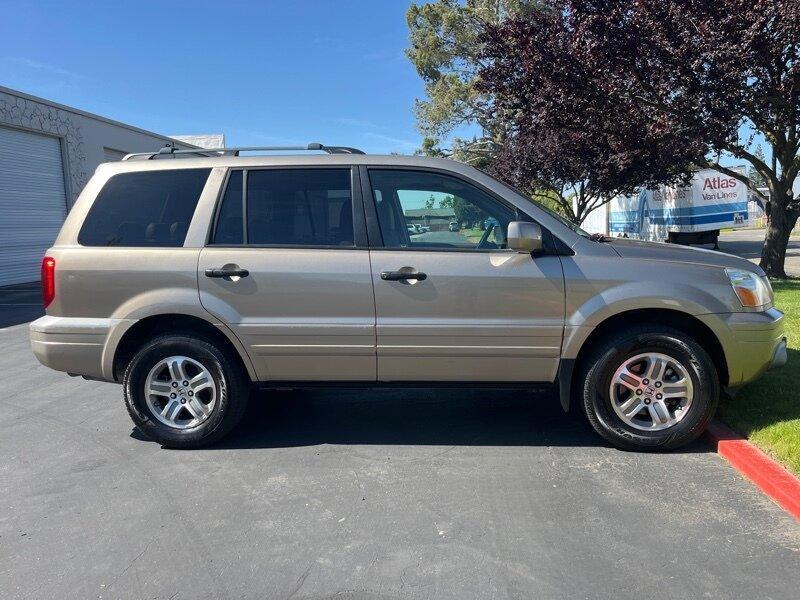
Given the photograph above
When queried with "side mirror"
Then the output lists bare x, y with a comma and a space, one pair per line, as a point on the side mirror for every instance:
524, 236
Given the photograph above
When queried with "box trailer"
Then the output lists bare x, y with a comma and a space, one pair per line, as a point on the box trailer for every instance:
689, 214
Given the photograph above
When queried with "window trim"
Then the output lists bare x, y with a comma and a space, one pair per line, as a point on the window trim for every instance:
212, 229
244, 208
356, 205
373, 225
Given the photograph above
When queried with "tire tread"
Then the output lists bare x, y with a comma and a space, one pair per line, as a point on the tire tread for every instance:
590, 371
236, 390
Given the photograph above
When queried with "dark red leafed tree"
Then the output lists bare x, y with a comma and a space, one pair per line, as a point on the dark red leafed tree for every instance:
610, 95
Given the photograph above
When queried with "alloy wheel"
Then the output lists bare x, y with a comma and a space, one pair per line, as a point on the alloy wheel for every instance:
651, 391
180, 392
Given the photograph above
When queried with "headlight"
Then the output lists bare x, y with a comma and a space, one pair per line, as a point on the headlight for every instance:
753, 292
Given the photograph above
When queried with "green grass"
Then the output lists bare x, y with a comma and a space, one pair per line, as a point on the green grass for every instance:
472, 234
767, 411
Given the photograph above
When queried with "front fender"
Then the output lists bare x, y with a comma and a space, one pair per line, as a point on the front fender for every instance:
619, 286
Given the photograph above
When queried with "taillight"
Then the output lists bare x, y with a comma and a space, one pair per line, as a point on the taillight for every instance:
48, 280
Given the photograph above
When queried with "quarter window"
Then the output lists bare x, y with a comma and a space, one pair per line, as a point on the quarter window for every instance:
144, 209
418, 209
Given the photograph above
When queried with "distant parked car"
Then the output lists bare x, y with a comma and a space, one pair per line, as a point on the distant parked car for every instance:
454, 226
423, 228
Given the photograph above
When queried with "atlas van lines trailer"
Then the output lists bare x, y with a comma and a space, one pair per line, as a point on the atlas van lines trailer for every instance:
689, 214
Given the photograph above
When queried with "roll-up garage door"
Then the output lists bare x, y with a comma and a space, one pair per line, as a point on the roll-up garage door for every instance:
111, 155
33, 202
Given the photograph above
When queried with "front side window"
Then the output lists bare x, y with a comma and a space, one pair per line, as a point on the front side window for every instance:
418, 209
287, 207
144, 209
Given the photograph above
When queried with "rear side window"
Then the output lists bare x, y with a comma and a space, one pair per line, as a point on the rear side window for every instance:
287, 207
144, 209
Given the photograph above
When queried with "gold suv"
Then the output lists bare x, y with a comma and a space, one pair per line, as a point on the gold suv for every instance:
193, 276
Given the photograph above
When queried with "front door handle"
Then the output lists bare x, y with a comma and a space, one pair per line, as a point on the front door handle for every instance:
403, 276
227, 272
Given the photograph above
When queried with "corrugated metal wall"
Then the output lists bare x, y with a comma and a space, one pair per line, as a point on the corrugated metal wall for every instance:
111, 155
33, 202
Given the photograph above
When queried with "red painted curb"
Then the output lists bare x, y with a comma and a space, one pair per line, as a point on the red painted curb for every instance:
769, 476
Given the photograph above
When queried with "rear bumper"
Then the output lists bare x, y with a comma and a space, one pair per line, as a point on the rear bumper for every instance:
73, 345
753, 343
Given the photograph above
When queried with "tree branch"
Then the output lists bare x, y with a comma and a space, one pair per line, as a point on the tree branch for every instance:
759, 164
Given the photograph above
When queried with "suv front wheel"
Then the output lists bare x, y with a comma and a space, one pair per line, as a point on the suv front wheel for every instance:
649, 388
184, 392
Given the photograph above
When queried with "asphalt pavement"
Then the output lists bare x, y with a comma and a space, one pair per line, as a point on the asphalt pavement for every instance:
20, 303
747, 243
352, 494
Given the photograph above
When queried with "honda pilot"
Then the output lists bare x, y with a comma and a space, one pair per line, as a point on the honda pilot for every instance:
193, 277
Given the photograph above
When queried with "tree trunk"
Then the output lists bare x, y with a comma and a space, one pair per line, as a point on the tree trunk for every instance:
773, 254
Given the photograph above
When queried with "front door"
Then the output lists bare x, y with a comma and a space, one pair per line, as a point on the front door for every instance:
304, 308
452, 304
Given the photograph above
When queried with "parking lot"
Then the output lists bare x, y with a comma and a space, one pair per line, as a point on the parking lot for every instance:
363, 494
747, 243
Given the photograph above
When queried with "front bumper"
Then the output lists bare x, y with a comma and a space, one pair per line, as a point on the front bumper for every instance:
780, 356
752, 342
73, 345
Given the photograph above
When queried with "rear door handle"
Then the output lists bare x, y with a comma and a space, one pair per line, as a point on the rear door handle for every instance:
220, 273
403, 276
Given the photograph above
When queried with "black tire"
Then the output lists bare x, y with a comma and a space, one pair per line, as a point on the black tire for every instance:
597, 370
232, 389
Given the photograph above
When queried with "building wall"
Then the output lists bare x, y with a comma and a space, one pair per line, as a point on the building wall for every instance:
86, 139
210, 140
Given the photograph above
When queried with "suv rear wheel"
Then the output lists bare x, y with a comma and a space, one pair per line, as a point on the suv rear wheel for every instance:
184, 392
649, 388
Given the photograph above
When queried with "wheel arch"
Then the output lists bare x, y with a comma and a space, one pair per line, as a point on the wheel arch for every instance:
145, 329
689, 324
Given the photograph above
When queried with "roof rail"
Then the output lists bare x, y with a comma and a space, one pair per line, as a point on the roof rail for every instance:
170, 150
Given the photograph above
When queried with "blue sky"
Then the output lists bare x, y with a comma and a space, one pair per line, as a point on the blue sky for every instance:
265, 72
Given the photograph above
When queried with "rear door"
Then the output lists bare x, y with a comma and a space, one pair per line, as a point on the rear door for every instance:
287, 267
452, 304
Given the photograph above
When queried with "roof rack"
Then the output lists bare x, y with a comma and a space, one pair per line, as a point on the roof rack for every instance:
171, 151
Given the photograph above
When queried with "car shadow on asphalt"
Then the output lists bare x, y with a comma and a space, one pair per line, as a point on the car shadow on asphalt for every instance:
20, 303
446, 417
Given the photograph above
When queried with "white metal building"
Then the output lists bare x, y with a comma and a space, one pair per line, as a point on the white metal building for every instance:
210, 140
47, 154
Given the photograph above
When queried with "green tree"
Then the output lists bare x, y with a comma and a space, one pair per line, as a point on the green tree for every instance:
757, 180
646, 91
465, 212
445, 47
